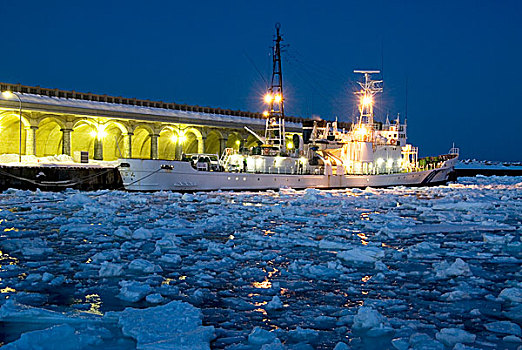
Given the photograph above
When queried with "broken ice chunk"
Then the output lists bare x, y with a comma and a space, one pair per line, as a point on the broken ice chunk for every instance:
452, 336
367, 318
504, 327
109, 269
61, 337
362, 255
458, 268
176, 325
142, 233
133, 291
259, 336
274, 304
513, 295
142, 265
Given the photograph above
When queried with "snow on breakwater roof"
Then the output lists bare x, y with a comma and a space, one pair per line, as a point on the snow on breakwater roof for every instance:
133, 109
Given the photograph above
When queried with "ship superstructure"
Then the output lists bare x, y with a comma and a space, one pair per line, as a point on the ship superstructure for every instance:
368, 147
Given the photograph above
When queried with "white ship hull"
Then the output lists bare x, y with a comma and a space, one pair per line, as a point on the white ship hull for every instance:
163, 175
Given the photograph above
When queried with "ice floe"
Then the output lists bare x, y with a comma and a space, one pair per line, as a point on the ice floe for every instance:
176, 325
398, 268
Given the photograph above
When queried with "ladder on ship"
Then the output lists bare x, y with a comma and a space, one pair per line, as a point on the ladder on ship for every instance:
225, 157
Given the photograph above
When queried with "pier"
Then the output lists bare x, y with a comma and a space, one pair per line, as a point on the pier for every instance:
40, 121
60, 177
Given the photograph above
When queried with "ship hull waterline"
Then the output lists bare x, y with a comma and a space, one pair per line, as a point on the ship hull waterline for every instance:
163, 175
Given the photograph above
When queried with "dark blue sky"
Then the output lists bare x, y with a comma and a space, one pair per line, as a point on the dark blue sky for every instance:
462, 59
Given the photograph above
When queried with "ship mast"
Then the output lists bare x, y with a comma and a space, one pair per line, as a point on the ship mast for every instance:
275, 122
369, 89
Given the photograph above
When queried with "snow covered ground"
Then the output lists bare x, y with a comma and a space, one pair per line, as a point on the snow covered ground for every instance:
420, 268
10, 159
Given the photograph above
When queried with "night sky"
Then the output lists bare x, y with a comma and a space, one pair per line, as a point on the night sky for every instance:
461, 61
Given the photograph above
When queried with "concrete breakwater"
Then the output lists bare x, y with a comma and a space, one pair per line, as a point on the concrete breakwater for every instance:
59, 177
487, 172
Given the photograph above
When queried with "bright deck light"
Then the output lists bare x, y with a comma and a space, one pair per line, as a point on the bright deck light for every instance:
366, 100
290, 145
7, 94
265, 113
361, 131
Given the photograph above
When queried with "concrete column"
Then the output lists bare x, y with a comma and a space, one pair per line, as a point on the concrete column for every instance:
66, 144
222, 145
154, 146
30, 140
179, 150
127, 145
201, 145
98, 149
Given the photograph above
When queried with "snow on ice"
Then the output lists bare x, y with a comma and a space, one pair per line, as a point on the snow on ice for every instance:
398, 268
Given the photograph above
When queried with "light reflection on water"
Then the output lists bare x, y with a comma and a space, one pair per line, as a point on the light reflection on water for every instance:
6, 259
363, 237
366, 278
384, 245
167, 281
250, 204
95, 301
261, 310
266, 284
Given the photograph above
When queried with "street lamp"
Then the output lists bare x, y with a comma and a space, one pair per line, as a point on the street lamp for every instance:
9, 94
178, 140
